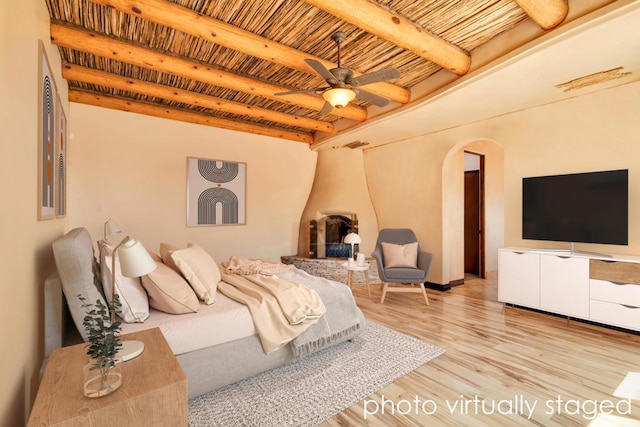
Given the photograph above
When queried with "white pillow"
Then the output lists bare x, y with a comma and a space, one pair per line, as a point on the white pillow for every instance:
200, 270
400, 255
134, 300
169, 292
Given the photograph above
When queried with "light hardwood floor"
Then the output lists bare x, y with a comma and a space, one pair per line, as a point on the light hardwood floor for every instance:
504, 357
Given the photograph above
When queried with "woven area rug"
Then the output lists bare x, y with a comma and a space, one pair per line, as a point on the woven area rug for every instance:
311, 390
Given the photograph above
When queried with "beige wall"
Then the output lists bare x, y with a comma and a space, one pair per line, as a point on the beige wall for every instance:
132, 168
592, 132
26, 254
340, 186
405, 183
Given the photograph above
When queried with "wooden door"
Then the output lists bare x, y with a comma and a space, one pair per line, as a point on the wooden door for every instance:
472, 241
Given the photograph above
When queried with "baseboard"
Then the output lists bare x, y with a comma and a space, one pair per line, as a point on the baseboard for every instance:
438, 286
456, 282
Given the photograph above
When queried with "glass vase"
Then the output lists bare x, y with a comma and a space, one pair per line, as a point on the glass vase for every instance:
101, 380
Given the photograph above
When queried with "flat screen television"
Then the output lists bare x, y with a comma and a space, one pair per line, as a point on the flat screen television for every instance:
588, 207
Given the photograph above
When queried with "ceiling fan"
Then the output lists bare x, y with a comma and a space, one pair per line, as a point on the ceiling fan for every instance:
343, 86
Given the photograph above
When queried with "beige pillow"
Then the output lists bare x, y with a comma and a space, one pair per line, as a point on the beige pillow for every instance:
200, 270
165, 253
134, 300
169, 292
400, 255
155, 256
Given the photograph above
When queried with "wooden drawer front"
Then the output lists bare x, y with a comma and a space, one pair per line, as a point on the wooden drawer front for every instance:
619, 293
615, 271
615, 314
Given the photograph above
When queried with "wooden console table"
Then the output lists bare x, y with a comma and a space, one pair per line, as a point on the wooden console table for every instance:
153, 390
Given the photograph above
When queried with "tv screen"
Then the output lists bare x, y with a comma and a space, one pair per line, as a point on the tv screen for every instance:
583, 207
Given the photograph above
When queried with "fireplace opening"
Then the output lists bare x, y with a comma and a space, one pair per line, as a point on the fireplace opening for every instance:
327, 236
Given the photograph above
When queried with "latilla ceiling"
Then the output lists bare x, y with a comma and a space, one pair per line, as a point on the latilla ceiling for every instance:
220, 63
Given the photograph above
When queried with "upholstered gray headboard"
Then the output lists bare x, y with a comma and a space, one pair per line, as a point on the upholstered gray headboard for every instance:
78, 272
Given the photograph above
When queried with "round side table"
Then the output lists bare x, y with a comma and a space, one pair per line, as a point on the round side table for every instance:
363, 268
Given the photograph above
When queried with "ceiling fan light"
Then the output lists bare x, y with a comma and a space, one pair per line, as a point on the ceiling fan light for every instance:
339, 97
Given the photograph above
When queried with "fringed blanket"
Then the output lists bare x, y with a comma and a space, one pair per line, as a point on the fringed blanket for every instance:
342, 317
281, 310
285, 309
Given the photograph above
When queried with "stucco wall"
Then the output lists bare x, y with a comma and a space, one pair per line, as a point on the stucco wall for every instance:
340, 185
26, 251
405, 183
133, 168
586, 133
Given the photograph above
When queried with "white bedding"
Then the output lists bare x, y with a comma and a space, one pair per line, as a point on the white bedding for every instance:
223, 321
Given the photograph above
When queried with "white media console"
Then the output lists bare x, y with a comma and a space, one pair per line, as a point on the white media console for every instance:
600, 288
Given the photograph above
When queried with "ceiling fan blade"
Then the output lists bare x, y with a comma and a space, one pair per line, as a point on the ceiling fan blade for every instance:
371, 98
322, 70
293, 92
326, 109
375, 77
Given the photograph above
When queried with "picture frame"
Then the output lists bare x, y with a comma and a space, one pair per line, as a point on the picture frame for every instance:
216, 192
47, 125
60, 173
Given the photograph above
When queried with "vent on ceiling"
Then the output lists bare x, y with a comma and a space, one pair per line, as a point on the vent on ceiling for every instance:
356, 144
593, 79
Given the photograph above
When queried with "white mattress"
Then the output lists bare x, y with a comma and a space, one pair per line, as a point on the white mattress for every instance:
223, 321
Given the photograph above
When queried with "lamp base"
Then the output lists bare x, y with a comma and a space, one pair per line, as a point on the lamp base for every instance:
130, 349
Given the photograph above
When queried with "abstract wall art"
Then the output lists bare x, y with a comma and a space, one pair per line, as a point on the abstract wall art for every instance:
61, 162
47, 124
216, 192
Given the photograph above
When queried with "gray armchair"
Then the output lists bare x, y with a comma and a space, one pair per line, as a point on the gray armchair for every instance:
401, 275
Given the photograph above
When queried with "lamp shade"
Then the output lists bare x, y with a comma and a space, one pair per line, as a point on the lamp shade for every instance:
135, 261
339, 97
352, 238
111, 228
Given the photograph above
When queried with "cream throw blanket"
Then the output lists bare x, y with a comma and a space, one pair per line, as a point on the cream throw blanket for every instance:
281, 310
245, 266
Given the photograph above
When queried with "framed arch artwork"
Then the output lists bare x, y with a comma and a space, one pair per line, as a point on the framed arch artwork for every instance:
48, 109
216, 192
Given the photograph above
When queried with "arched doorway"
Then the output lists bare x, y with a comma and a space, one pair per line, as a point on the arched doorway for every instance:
491, 204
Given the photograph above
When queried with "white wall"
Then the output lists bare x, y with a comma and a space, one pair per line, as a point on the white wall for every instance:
26, 255
132, 168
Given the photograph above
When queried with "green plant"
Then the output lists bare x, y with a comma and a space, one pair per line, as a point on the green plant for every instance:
103, 336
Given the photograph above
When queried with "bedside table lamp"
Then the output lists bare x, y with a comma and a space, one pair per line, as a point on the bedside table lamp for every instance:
353, 239
111, 229
135, 261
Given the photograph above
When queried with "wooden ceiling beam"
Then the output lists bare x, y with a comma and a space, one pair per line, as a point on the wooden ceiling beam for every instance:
108, 47
205, 27
546, 13
114, 81
398, 30
165, 112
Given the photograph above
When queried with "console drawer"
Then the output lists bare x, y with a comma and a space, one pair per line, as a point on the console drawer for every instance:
615, 314
618, 293
615, 271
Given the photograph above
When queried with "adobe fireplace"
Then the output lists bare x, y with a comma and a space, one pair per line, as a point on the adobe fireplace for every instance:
326, 235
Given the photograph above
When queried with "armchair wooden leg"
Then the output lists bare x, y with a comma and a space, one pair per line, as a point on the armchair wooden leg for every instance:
424, 293
385, 285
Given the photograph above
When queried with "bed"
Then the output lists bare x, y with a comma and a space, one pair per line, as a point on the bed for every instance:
216, 346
